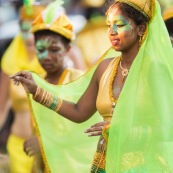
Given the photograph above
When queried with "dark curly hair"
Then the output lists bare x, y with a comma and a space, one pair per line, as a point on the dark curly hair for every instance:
129, 12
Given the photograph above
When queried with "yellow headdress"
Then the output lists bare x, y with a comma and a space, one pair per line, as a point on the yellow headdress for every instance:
144, 6
31, 13
54, 19
168, 13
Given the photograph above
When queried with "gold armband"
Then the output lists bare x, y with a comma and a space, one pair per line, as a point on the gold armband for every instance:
47, 99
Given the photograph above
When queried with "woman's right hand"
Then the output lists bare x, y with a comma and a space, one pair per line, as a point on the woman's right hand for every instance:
31, 146
25, 78
96, 129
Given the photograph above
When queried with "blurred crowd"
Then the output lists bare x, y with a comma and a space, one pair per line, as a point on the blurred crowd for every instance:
82, 13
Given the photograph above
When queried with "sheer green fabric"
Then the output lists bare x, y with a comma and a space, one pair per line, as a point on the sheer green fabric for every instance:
65, 147
141, 132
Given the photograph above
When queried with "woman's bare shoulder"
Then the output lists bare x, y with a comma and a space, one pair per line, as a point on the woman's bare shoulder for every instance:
102, 67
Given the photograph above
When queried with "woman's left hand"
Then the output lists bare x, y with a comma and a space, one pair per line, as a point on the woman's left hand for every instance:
96, 129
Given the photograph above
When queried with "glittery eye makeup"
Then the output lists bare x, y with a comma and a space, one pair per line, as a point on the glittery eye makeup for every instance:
118, 23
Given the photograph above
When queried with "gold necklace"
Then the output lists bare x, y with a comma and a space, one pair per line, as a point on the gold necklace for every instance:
125, 72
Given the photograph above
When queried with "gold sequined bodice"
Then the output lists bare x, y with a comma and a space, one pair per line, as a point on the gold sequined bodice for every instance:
104, 100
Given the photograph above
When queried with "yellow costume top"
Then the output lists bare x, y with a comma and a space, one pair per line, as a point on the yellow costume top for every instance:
68, 75
104, 102
16, 59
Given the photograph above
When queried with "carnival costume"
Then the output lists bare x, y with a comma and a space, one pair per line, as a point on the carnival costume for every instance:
14, 60
140, 136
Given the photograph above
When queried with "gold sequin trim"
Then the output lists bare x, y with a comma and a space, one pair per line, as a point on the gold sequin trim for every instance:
131, 160
99, 160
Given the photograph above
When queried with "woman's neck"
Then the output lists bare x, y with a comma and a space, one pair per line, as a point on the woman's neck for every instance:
54, 77
128, 57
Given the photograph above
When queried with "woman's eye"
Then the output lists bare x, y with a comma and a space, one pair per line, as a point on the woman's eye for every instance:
120, 26
108, 26
40, 50
54, 50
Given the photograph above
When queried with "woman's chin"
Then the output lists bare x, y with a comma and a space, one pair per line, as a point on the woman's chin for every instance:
118, 49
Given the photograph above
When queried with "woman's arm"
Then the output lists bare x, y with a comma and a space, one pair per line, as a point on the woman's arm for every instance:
4, 98
76, 112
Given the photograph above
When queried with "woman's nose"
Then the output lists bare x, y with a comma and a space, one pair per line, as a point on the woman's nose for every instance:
113, 30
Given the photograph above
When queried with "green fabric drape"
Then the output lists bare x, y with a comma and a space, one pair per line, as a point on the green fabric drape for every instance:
141, 132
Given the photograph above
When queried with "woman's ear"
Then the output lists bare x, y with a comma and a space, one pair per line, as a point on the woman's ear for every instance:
68, 47
141, 29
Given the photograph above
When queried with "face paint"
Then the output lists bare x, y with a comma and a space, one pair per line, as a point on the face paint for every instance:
42, 48
118, 23
42, 55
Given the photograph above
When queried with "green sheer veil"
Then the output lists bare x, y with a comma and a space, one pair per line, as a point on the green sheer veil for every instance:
141, 131
64, 145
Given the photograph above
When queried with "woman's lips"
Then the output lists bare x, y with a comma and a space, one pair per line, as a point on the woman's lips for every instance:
48, 65
115, 42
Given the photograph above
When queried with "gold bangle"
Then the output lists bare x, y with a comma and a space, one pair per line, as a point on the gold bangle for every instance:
39, 92
49, 100
42, 97
36, 93
58, 106
45, 98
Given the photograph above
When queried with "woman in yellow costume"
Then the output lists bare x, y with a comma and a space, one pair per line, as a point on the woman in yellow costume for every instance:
53, 34
168, 18
94, 32
20, 55
132, 91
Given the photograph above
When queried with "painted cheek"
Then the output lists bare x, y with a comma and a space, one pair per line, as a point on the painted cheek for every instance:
125, 29
112, 30
42, 55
